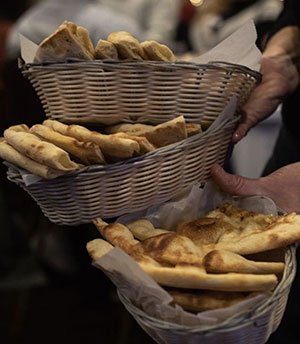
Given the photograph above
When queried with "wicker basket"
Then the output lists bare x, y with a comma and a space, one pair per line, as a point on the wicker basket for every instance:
146, 92
113, 190
253, 327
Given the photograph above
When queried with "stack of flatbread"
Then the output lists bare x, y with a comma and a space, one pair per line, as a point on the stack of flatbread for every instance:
53, 148
72, 41
210, 262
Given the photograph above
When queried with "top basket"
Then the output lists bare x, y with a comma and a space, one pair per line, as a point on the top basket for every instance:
109, 92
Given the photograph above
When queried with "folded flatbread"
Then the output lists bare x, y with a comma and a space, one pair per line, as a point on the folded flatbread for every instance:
205, 300
143, 229
237, 230
10, 154
111, 146
41, 151
157, 51
127, 45
88, 152
157, 256
105, 50
66, 42
129, 128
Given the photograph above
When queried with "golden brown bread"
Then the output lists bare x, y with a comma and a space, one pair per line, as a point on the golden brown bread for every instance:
88, 152
127, 45
43, 152
10, 154
205, 300
112, 146
105, 50
65, 42
157, 51
173, 260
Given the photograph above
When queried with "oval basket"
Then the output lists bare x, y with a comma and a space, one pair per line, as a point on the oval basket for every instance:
109, 191
109, 92
253, 327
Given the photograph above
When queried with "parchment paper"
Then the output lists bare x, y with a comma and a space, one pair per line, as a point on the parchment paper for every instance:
144, 292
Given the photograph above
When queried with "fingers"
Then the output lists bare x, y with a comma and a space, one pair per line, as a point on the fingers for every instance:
234, 184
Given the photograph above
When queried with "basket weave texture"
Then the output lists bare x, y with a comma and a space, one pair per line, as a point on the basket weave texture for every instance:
254, 327
141, 91
113, 190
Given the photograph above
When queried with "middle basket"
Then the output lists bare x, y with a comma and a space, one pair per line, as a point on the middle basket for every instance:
112, 190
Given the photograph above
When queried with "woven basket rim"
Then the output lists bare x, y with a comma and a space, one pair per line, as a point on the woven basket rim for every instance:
128, 64
233, 323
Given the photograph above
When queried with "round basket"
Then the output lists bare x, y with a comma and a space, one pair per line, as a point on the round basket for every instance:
109, 191
253, 327
109, 92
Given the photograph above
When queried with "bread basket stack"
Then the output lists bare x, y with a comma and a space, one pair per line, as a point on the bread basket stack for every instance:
105, 92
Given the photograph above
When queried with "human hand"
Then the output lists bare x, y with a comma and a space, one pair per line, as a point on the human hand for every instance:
279, 78
282, 186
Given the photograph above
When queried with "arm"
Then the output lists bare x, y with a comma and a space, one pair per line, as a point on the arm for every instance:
279, 67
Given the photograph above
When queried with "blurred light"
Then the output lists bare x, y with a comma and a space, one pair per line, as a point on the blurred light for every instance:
196, 2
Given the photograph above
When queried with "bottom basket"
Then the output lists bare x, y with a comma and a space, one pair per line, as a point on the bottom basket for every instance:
253, 327
136, 184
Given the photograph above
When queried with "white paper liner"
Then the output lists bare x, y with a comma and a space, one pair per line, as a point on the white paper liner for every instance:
144, 292
239, 48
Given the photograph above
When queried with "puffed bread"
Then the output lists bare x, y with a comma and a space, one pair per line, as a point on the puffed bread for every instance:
64, 43
157, 51
127, 45
105, 50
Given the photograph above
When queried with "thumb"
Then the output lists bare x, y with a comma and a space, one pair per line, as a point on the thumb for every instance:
235, 185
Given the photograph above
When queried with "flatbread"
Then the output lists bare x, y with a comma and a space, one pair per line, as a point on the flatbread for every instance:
205, 300
88, 152
111, 146
105, 50
40, 151
238, 230
253, 232
144, 144
220, 261
129, 128
127, 45
193, 129
143, 229
84, 37
158, 255
65, 43
10, 154
157, 51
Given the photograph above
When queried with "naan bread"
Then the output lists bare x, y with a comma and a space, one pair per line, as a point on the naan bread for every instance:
237, 230
205, 300
193, 129
127, 45
66, 42
10, 154
220, 261
129, 128
157, 51
88, 152
143, 229
158, 255
105, 50
111, 146
43, 152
